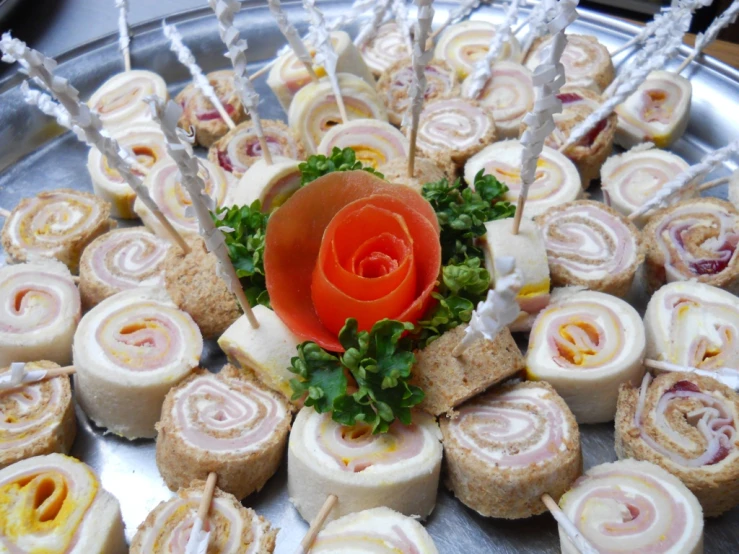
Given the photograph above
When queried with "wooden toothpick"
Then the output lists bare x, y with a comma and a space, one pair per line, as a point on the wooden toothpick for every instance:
4, 213
580, 542
714, 183
124, 35
317, 524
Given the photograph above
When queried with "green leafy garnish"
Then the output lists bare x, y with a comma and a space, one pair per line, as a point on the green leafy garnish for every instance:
339, 160
380, 363
244, 228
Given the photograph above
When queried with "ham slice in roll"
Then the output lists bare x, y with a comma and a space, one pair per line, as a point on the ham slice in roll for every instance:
374, 142
55, 503
129, 350
585, 346
632, 506
39, 312
687, 424
226, 423
508, 447
36, 418
120, 100
398, 469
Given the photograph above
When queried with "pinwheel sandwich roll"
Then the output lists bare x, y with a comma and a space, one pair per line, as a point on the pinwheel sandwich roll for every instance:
374, 142
199, 113
226, 423
145, 143
632, 506
129, 350
694, 239
314, 111
374, 530
238, 150
385, 48
395, 83
687, 424
55, 503
55, 224
693, 324
630, 179
36, 418
508, 447
39, 312
120, 100
586, 61
508, 94
165, 188
424, 171
234, 529
266, 351
586, 346
657, 112
271, 184
591, 245
557, 179
463, 44
528, 249
288, 75
193, 282
449, 380
119, 260
398, 469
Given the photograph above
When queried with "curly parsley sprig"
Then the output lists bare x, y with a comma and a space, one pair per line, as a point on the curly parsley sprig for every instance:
339, 160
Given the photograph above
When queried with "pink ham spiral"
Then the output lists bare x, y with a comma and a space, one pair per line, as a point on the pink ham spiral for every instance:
387, 47
120, 100
374, 142
198, 109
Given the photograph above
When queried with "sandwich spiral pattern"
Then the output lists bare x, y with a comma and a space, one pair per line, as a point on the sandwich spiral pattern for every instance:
374, 142
120, 100
386, 48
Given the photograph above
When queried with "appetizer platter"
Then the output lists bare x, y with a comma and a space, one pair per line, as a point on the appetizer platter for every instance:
271, 320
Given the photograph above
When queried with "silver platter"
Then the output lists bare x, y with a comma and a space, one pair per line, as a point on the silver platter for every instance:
36, 155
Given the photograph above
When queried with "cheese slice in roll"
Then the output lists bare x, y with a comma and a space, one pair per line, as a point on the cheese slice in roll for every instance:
398, 469
129, 350
374, 142
39, 312
54, 504
585, 346
632, 506
271, 184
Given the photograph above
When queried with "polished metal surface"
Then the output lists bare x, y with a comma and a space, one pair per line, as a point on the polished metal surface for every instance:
35, 156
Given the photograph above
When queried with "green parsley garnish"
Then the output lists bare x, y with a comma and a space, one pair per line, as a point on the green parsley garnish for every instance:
339, 160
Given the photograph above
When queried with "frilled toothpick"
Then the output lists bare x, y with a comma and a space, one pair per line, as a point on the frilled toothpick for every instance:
368, 31
548, 78
199, 538
421, 58
293, 38
464, 9
225, 12
19, 376
400, 11
186, 58
124, 35
40, 69
537, 22
726, 375
704, 39
167, 115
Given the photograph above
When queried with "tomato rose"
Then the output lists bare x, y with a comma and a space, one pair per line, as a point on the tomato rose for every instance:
350, 245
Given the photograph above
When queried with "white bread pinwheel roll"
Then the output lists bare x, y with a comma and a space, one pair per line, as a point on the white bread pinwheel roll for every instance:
289, 75
129, 350
694, 239
199, 113
165, 188
395, 82
463, 44
145, 142
55, 224
55, 503
630, 179
528, 249
119, 260
378, 530
508, 94
657, 112
398, 469
586, 61
39, 312
314, 112
591, 245
585, 346
265, 351
36, 418
424, 171
453, 127
508, 447
557, 180
120, 100
693, 324
225, 423
385, 48
240, 149
687, 424
374, 142
632, 506
271, 184
233, 528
